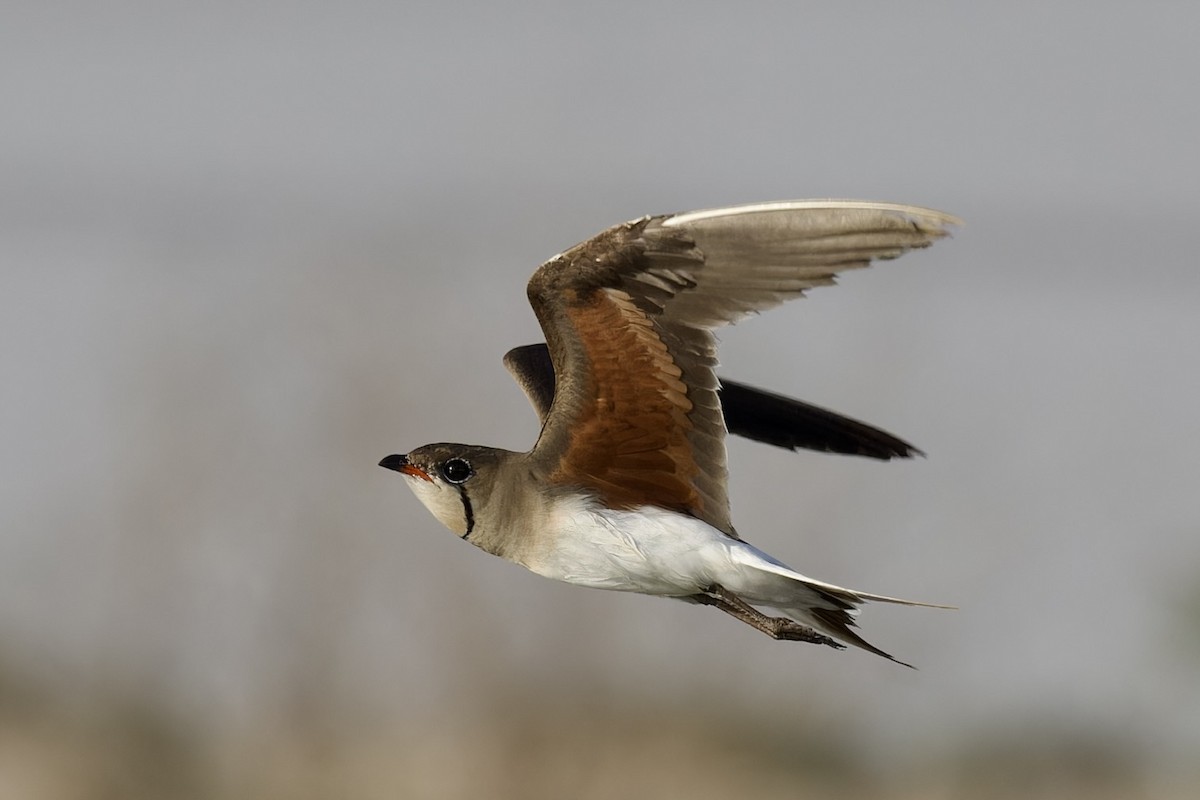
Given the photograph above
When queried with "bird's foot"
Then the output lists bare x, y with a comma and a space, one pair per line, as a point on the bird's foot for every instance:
779, 628
789, 630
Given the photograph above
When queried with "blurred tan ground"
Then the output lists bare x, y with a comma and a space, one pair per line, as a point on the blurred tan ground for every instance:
534, 750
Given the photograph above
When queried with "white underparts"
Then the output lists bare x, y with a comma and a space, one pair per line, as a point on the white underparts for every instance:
654, 551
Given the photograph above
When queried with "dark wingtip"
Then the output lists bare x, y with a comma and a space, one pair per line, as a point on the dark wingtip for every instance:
785, 422
394, 461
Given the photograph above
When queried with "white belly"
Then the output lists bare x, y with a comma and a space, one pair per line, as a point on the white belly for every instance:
651, 551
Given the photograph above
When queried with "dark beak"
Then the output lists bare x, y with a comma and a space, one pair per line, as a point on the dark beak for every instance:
400, 464
396, 462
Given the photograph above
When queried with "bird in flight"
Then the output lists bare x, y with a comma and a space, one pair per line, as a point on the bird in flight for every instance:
625, 488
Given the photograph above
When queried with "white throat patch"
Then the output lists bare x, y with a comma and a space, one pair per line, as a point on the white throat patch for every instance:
444, 502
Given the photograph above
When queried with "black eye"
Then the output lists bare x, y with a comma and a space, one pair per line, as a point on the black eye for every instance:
456, 470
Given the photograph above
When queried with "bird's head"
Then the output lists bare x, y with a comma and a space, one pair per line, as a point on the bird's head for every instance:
454, 481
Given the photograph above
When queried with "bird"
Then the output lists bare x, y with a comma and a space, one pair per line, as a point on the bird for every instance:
625, 488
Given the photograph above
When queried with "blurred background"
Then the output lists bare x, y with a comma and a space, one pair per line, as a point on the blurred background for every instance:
248, 249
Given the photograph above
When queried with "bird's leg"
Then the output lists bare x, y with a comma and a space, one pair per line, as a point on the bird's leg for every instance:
775, 627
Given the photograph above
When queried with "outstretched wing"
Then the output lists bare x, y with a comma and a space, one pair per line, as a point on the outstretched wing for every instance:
786, 422
628, 316
749, 412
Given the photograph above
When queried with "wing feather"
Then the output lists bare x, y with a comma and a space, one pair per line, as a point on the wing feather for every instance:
629, 317
749, 412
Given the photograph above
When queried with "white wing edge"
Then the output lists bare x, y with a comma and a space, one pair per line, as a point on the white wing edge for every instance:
927, 214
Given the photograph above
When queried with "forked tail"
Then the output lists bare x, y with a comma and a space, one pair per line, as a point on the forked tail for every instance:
828, 608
